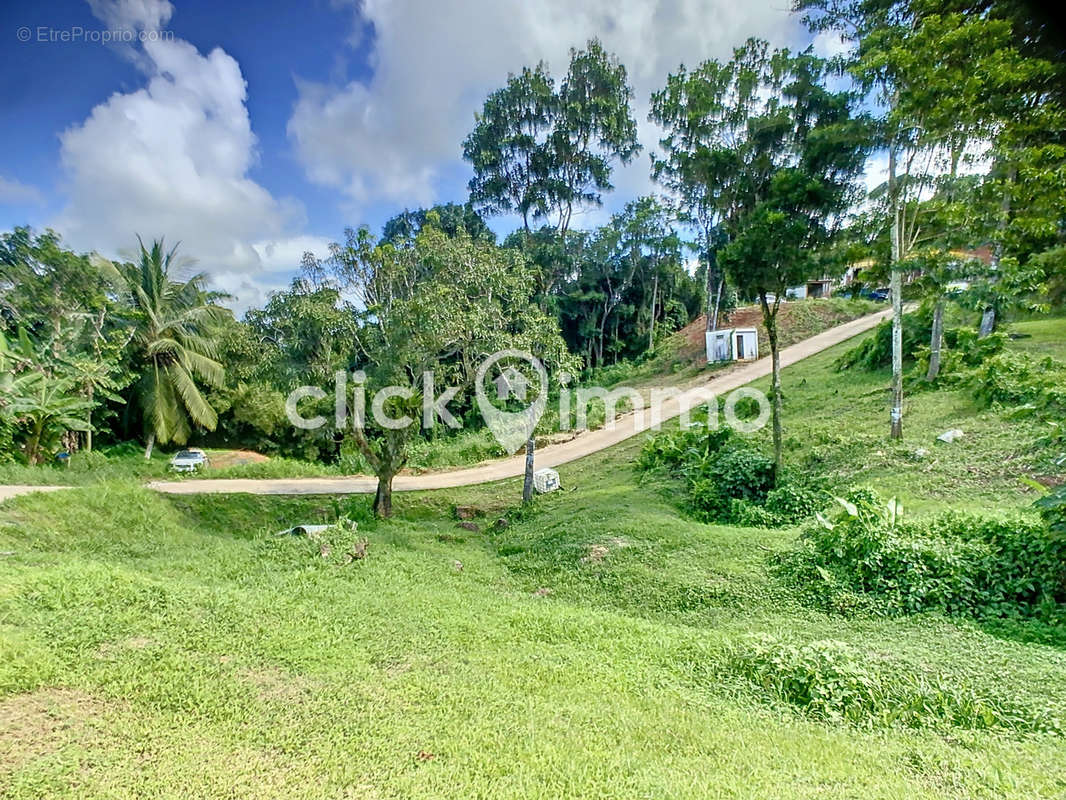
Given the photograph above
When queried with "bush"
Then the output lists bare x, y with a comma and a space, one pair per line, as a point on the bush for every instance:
727, 479
675, 450
747, 514
741, 472
792, 503
1016, 379
869, 559
88, 461
875, 352
828, 680
964, 351
1053, 510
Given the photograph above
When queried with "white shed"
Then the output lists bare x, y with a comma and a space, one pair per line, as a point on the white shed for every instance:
733, 344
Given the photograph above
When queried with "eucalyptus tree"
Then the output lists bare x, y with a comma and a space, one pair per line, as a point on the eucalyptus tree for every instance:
509, 147
938, 77
650, 245
696, 165
452, 217
795, 149
542, 151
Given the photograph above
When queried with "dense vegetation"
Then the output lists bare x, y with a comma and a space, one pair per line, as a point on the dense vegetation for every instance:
759, 164
602, 644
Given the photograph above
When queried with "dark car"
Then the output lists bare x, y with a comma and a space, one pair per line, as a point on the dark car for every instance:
880, 295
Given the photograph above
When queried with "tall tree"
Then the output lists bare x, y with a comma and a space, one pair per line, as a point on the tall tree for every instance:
172, 321
452, 217
697, 165
42, 284
509, 147
934, 74
796, 150
542, 152
593, 126
438, 304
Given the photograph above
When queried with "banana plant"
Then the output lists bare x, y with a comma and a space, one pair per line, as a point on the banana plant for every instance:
47, 407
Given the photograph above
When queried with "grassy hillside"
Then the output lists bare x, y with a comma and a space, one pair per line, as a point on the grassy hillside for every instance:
601, 646
677, 360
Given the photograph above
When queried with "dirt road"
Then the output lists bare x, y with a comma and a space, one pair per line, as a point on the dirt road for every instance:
582, 445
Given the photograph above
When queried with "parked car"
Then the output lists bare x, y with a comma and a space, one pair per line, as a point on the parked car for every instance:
880, 295
189, 460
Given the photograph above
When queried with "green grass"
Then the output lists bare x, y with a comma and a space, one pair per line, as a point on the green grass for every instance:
122, 462
174, 647
445, 450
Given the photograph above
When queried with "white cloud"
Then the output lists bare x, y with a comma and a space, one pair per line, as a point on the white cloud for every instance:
829, 44
172, 159
433, 64
132, 15
286, 254
16, 193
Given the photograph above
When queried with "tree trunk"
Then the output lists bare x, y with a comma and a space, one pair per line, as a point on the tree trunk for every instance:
603, 329
654, 302
777, 405
383, 497
33, 446
896, 288
717, 305
988, 317
148, 448
89, 427
712, 314
937, 341
527, 483
988, 321
896, 416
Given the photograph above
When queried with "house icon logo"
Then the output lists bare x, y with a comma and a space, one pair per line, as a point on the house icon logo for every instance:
511, 384
512, 428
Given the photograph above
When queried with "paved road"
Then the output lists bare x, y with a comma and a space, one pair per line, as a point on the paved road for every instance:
582, 445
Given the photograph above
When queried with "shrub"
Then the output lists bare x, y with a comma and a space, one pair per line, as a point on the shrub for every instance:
875, 352
964, 351
749, 515
1052, 508
869, 559
741, 472
829, 681
726, 478
1016, 379
675, 450
731, 470
792, 503
88, 461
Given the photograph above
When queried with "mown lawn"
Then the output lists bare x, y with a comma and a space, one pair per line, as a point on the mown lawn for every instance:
174, 647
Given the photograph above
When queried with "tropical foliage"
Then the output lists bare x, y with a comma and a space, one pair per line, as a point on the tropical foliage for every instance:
757, 171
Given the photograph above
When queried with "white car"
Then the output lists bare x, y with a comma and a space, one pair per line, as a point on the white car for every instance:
189, 460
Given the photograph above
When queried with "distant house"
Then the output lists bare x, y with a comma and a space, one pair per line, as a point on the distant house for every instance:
732, 344
821, 287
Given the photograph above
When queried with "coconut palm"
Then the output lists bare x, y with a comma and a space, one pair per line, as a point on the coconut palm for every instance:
172, 322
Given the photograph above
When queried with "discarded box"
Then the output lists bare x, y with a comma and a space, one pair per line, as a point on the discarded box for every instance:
545, 480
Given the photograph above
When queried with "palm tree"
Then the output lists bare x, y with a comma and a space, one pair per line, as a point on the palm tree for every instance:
173, 320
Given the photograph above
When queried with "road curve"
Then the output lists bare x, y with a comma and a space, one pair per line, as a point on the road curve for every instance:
584, 444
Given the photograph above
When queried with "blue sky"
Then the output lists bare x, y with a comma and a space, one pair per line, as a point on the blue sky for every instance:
252, 134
